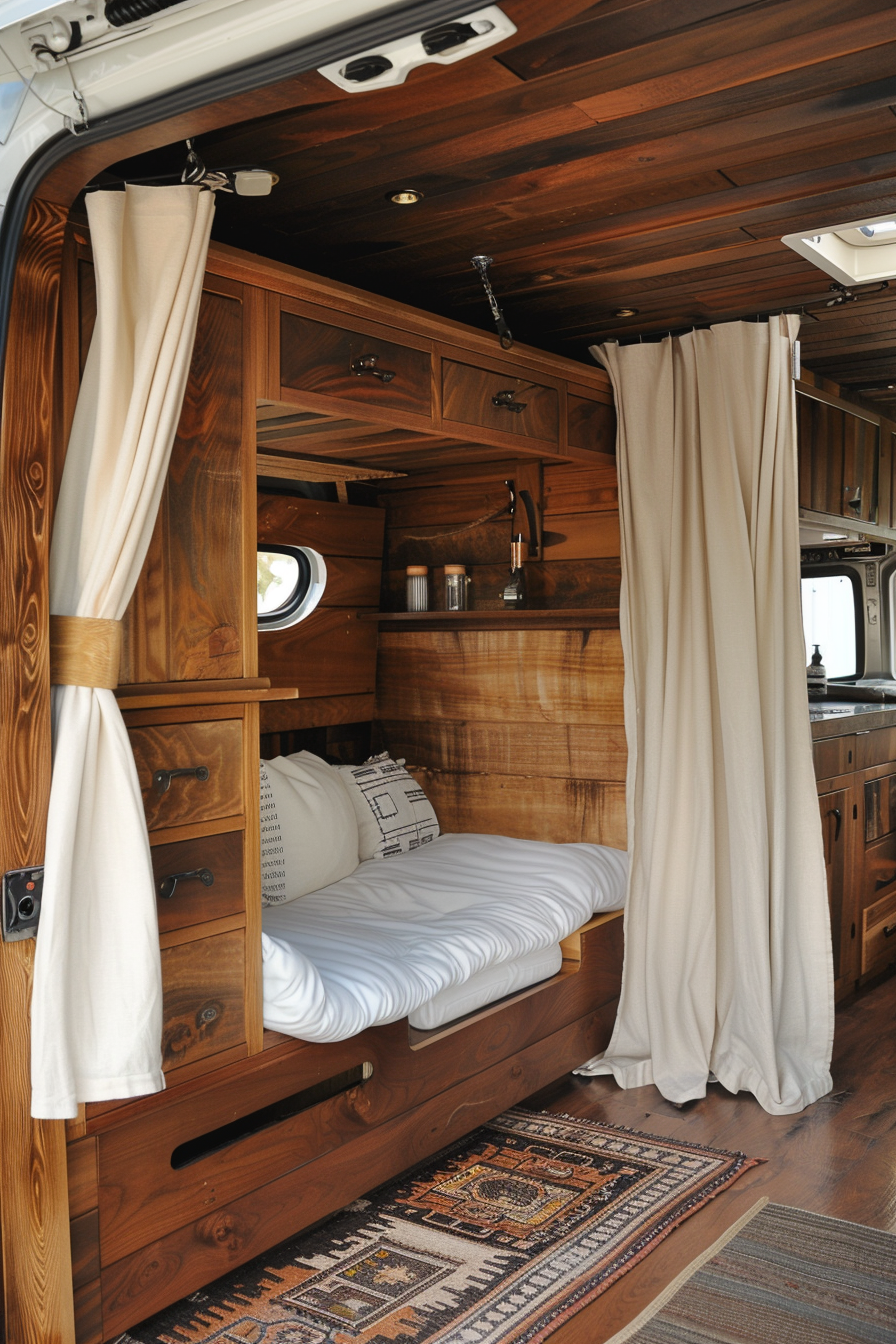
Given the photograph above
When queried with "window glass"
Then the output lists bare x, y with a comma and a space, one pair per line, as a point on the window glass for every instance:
829, 620
278, 575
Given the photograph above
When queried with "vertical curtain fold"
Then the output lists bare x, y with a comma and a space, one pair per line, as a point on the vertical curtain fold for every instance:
96, 1014
728, 950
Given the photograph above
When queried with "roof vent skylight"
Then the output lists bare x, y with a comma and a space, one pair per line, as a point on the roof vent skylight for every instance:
857, 253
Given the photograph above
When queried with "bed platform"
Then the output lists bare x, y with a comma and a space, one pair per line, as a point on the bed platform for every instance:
169, 1192
513, 727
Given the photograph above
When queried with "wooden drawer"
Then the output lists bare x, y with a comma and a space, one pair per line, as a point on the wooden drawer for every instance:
590, 424
195, 899
317, 357
468, 399
214, 746
834, 756
875, 747
202, 994
879, 934
880, 868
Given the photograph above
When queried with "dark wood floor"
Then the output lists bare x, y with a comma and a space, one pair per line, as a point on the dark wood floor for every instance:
838, 1157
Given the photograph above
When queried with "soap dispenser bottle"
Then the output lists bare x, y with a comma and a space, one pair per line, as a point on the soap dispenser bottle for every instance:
816, 676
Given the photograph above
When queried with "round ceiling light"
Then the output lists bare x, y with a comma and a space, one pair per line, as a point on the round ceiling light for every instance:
625, 312
406, 196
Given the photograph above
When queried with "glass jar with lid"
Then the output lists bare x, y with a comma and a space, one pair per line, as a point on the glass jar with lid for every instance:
417, 588
457, 584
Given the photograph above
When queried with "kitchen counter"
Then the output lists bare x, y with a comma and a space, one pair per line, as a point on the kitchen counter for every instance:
834, 718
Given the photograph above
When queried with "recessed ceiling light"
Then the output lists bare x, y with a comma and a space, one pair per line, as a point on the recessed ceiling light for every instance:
407, 196
626, 312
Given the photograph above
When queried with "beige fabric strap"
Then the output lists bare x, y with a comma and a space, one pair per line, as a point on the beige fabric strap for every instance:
84, 651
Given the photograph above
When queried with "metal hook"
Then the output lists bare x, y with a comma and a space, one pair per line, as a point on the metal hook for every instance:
481, 264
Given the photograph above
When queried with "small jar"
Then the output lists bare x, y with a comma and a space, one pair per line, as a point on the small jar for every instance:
456, 585
418, 588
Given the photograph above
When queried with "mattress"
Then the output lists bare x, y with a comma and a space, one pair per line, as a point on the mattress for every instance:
375, 946
494, 983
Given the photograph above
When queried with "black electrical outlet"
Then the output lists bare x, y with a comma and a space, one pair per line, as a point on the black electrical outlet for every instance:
22, 891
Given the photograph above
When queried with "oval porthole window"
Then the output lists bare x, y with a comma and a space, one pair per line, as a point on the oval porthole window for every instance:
291, 582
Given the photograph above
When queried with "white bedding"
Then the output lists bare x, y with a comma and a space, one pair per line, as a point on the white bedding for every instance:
374, 946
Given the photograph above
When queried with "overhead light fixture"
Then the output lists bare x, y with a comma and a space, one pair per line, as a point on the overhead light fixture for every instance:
390, 64
406, 196
857, 253
626, 312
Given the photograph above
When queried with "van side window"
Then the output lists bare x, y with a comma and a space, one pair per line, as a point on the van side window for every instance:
830, 614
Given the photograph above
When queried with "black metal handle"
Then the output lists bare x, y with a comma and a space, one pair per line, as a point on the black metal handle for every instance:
368, 364
882, 882
162, 778
507, 401
168, 885
889, 930
835, 812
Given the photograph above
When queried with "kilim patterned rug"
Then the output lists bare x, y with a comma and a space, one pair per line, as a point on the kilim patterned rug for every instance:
502, 1236
780, 1275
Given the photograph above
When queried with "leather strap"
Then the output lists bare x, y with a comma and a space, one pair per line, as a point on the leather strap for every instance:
84, 651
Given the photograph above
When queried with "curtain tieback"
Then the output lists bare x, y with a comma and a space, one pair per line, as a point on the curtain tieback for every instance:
84, 651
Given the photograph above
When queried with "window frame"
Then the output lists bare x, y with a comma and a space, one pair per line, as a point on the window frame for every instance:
855, 578
305, 598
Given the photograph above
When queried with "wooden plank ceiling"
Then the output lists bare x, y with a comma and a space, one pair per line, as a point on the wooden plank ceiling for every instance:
643, 153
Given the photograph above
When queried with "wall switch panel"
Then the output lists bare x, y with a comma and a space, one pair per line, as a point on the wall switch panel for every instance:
22, 891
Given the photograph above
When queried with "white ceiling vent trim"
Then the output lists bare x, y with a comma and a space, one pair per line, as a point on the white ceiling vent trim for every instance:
849, 262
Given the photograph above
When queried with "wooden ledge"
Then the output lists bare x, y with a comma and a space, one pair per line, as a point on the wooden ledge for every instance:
228, 691
571, 618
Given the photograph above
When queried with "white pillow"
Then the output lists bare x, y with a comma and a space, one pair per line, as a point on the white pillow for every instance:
394, 814
309, 836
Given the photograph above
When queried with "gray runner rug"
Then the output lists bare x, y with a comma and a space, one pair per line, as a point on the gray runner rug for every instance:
780, 1276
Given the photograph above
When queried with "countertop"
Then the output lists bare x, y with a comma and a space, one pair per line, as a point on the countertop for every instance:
834, 718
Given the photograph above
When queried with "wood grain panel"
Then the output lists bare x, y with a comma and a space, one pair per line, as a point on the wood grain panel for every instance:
331, 653
34, 1238
88, 1304
581, 536
876, 747
561, 677
215, 744
467, 399
557, 585
316, 357
316, 712
85, 1233
880, 807
560, 810
202, 998
834, 756
82, 1176
203, 505
193, 902
544, 750
570, 489
590, 424
292, 521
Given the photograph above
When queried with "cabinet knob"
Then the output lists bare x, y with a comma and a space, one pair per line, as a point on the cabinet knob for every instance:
368, 364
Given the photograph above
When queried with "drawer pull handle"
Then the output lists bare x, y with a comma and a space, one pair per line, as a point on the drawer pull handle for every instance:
889, 930
368, 364
506, 401
168, 885
835, 812
884, 882
162, 778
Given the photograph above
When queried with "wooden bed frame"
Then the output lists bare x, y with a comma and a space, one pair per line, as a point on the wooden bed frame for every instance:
259, 1135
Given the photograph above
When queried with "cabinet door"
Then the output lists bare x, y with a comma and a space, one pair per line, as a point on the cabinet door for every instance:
839, 459
838, 830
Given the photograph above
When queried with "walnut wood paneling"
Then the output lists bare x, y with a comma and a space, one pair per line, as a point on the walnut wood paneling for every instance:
312, 522
34, 1237
562, 811
563, 677
588, 751
331, 653
590, 424
880, 807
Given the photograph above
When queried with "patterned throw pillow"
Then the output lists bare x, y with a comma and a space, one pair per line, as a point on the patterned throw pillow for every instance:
309, 836
394, 814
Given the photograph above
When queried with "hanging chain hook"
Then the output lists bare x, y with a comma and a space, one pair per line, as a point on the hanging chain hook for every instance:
481, 264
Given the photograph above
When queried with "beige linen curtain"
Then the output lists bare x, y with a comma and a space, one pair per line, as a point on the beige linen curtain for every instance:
96, 1004
727, 937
